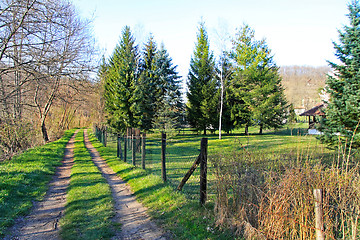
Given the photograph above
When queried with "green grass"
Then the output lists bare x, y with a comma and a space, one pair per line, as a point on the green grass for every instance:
89, 205
25, 179
182, 150
184, 217
182, 214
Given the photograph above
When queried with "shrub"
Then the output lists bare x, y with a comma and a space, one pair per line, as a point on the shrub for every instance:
15, 137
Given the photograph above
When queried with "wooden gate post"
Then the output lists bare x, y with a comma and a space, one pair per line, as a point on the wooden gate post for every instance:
203, 170
163, 157
319, 215
143, 153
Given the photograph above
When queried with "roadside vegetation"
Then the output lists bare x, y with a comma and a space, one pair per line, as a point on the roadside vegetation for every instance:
89, 206
264, 198
25, 178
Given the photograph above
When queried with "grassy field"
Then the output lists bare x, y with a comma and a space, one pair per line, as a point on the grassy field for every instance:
174, 211
180, 212
24, 179
182, 150
89, 206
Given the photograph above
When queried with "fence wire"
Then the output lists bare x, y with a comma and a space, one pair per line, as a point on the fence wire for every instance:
179, 154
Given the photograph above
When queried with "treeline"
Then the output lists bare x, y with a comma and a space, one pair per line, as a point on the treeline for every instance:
240, 88
141, 88
46, 55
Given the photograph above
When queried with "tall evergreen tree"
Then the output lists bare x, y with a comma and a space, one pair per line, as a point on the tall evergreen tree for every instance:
244, 54
269, 106
170, 109
121, 92
202, 85
257, 83
151, 86
343, 110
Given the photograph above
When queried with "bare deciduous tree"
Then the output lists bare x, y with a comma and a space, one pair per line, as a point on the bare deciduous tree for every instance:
45, 48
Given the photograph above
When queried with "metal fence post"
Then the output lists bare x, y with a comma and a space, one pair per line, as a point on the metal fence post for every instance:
133, 148
163, 156
143, 150
125, 147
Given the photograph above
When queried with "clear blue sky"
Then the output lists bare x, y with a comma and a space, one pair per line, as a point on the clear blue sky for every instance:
299, 32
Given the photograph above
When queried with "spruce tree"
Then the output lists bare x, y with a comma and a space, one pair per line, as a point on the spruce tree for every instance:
244, 54
268, 103
170, 108
150, 84
257, 84
121, 92
343, 109
202, 85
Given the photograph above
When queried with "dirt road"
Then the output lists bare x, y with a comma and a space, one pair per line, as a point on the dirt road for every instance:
135, 222
42, 222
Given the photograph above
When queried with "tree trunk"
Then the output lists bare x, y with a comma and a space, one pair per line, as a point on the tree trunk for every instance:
44, 132
246, 129
261, 129
205, 131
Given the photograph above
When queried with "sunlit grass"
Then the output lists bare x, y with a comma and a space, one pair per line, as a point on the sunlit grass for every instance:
89, 205
275, 148
184, 217
182, 150
25, 179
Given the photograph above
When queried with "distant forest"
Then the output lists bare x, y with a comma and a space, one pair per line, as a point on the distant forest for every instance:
303, 84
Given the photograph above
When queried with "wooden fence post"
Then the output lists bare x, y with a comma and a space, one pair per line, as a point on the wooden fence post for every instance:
203, 170
319, 215
133, 148
163, 157
143, 150
125, 147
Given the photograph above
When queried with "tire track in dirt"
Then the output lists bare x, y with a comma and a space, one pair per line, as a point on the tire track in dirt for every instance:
135, 222
42, 222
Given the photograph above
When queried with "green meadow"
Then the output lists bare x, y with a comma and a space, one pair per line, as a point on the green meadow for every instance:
182, 150
180, 212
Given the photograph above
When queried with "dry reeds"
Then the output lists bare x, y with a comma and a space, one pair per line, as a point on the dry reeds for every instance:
261, 201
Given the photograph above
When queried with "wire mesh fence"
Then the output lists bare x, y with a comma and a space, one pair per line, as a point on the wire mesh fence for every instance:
145, 151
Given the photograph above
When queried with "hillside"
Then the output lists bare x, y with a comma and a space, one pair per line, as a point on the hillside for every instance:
303, 83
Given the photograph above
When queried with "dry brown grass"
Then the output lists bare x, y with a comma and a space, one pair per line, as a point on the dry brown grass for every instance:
260, 200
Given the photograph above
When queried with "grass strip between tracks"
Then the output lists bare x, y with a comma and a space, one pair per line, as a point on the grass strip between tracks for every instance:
89, 202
